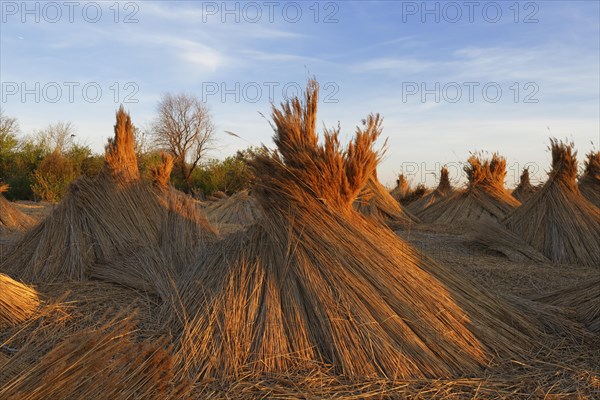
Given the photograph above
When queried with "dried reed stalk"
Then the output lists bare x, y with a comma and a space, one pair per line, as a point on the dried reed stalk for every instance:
120, 160
17, 301
161, 173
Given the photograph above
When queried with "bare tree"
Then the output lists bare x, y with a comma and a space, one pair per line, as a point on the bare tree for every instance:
57, 137
142, 144
185, 128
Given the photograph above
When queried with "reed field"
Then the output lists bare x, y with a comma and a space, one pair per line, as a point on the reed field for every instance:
317, 282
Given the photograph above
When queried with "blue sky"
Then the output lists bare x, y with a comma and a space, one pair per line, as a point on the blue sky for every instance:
405, 60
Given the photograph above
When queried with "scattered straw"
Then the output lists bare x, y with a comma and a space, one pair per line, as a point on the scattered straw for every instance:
102, 362
584, 299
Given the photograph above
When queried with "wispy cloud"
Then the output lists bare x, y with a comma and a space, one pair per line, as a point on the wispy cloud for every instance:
280, 57
395, 66
197, 53
196, 16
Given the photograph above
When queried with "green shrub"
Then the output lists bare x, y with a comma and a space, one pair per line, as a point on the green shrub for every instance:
19, 167
53, 176
230, 175
91, 165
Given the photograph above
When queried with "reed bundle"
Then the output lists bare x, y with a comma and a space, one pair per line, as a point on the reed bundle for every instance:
443, 189
106, 217
315, 285
240, 209
120, 160
484, 198
401, 190
11, 218
17, 301
589, 184
557, 220
376, 203
524, 190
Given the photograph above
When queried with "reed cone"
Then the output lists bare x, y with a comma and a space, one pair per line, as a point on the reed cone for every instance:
11, 218
401, 189
240, 209
589, 184
524, 190
484, 198
557, 220
107, 218
314, 283
376, 203
443, 189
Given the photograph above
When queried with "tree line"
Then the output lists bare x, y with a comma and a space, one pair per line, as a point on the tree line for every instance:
40, 165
